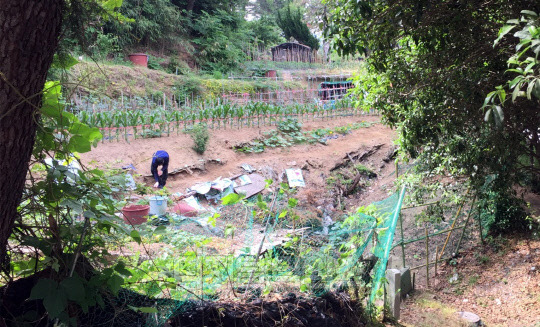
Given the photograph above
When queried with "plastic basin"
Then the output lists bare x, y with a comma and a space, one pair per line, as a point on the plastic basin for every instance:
135, 214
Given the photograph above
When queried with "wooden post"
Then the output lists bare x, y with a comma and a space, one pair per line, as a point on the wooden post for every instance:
402, 239
454, 222
436, 258
427, 256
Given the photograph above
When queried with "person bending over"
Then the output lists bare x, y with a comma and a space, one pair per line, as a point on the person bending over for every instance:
160, 158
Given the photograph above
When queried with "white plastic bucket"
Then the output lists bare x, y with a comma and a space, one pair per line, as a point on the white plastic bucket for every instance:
158, 205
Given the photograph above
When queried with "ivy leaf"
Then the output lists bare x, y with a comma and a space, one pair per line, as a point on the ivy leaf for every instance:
136, 236
230, 199
293, 202
115, 283
79, 144
74, 289
146, 309
121, 269
55, 303
43, 288
64, 61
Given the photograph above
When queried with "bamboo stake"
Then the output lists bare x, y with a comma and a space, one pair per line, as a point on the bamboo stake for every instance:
427, 256
455, 219
436, 256
466, 222
480, 226
402, 239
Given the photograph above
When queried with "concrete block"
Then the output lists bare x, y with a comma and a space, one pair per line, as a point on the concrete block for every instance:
393, 291
406, 281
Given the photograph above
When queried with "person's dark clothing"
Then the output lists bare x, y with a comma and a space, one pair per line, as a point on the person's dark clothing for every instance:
160, 158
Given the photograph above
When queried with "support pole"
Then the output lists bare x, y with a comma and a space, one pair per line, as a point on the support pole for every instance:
436, 256
427, 256
465, 227
454, 222
480, 226
402, 239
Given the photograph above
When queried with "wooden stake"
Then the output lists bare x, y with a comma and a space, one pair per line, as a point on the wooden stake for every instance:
436, 258
427, 256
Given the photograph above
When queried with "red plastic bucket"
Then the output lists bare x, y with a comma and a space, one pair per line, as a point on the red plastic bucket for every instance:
135, 214
139, 59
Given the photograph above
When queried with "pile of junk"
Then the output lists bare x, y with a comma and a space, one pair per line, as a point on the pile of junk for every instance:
187, 206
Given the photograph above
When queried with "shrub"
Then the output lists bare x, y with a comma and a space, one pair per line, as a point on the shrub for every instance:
502, 212
188, 87
199, 134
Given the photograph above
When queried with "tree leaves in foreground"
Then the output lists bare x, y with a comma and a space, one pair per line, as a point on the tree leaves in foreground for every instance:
430, 66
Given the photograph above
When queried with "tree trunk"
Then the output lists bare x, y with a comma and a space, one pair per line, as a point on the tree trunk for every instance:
190, 5
29, 32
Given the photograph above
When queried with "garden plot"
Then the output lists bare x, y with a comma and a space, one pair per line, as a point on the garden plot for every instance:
226, 247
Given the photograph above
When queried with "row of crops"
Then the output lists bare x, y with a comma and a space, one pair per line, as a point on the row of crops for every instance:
162, 121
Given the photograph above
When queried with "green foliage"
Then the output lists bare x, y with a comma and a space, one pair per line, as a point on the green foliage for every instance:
156, 23
501, 212
65, 214
264, 31
290, 20
429, 79
289, 133
188, 88
200, 135
219, 40
154, 62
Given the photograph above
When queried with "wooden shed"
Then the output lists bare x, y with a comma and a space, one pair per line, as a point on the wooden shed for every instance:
292, 51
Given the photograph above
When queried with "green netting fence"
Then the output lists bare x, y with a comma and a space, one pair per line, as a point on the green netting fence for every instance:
268, 256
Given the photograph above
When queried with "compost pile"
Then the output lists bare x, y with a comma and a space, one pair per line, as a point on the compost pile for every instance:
331, 309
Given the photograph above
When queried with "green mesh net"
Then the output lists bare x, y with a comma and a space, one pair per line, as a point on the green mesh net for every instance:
269, 256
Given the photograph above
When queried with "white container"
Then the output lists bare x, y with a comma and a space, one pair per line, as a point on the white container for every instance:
158, 205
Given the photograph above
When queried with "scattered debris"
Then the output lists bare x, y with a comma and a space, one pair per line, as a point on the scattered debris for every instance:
294, 175
248, 168
351, 157
258, 183
243, 180
391, 155
184, 209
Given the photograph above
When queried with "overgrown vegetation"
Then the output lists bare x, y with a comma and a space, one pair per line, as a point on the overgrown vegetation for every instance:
430, 70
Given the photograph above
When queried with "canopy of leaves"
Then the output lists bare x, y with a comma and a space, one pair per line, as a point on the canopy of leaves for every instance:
431, 65
157, 22
290, 20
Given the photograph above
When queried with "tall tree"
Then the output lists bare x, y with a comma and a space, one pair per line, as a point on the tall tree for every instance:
30, 30
290, 20
432, 64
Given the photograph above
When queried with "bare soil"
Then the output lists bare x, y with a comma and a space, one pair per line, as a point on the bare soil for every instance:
316, 159
499, 281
